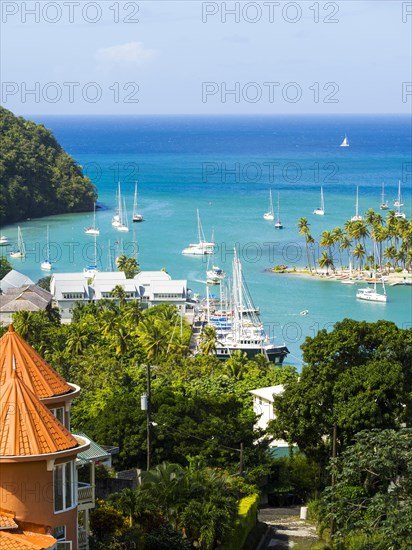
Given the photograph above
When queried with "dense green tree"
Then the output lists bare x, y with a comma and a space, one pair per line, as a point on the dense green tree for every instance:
356, 377
371, 499
5, 267
129, 266
38, 177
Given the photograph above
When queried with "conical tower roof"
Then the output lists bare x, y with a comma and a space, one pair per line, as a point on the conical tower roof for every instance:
38, 375
27, 427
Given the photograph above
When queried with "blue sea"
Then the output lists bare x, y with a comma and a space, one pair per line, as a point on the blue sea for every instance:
225, 166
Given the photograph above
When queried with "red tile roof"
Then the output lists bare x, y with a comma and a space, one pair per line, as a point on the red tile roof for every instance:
38, 375
27, 427
7, 520
24, 540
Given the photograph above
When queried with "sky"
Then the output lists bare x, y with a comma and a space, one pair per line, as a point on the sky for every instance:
197, 57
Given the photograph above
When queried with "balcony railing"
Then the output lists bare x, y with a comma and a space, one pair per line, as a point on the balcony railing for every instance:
82, 539
85, 494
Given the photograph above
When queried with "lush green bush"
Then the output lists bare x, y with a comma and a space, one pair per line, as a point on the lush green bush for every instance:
245, 522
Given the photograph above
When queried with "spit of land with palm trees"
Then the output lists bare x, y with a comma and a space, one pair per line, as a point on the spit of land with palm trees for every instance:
375, 244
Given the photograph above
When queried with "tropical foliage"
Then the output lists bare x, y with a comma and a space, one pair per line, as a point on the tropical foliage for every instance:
38, 177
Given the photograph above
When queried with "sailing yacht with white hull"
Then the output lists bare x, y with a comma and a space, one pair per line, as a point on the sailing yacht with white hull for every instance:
278, 223
20, 252
321, 210
46, 265
270, 216
136, 216
369, 294
93, 230
243, 331
384, 204
202, 247
345, 142
357, 217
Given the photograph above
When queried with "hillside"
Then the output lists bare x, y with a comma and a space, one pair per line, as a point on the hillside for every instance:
38, 178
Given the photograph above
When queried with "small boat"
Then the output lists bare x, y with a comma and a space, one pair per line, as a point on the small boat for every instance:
371, 294
123, 225
46, 264
136, 216
321, 210
215, 275
357, 217
91, 269
4, 241
202, 247
20, 252
116, 217
270, 216
278, 223
384, 204
345, 142
304, 312
93, 230
398, 202
407, 280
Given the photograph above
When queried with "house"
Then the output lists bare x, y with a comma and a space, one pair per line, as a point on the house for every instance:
29, 297
42, 505
263, 408
14, 279
149, 287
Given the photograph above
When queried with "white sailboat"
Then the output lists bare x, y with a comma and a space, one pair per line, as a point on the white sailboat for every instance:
20, 251
398, 201
345, 142
91, 269
215, 275
270, 216
202, 247
116, 217
123, 225
384, 204
357, 217
278, 223
46, 264
136, 216
369, 294
320, 211
93, 230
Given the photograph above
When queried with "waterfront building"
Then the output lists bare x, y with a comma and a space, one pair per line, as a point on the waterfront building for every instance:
42, 506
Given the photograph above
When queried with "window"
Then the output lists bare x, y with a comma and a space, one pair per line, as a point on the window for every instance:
72, 295
59, 533
59, 414
65, 486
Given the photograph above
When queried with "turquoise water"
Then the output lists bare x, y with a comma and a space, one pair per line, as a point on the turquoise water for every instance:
225, 166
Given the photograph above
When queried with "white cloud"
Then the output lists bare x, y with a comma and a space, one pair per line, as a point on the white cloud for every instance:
133, 53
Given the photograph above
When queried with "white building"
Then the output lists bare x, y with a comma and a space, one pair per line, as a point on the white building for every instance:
263, 408
149, 287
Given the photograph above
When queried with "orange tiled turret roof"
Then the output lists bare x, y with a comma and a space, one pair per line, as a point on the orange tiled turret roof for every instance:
23, 540
38, 375
27, 427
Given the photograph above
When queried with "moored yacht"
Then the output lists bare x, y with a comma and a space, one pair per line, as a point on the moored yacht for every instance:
202, 247
239, 332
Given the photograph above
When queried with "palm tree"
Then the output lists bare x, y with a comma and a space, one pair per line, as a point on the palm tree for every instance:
119, 293
153, 335
327, 241
359, 253
325, 261
338, 235
303, 226
208, 340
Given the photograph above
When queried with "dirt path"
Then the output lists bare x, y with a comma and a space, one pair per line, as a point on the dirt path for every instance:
286, 529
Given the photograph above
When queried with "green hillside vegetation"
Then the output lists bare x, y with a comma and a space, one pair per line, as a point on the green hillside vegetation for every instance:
38, 178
